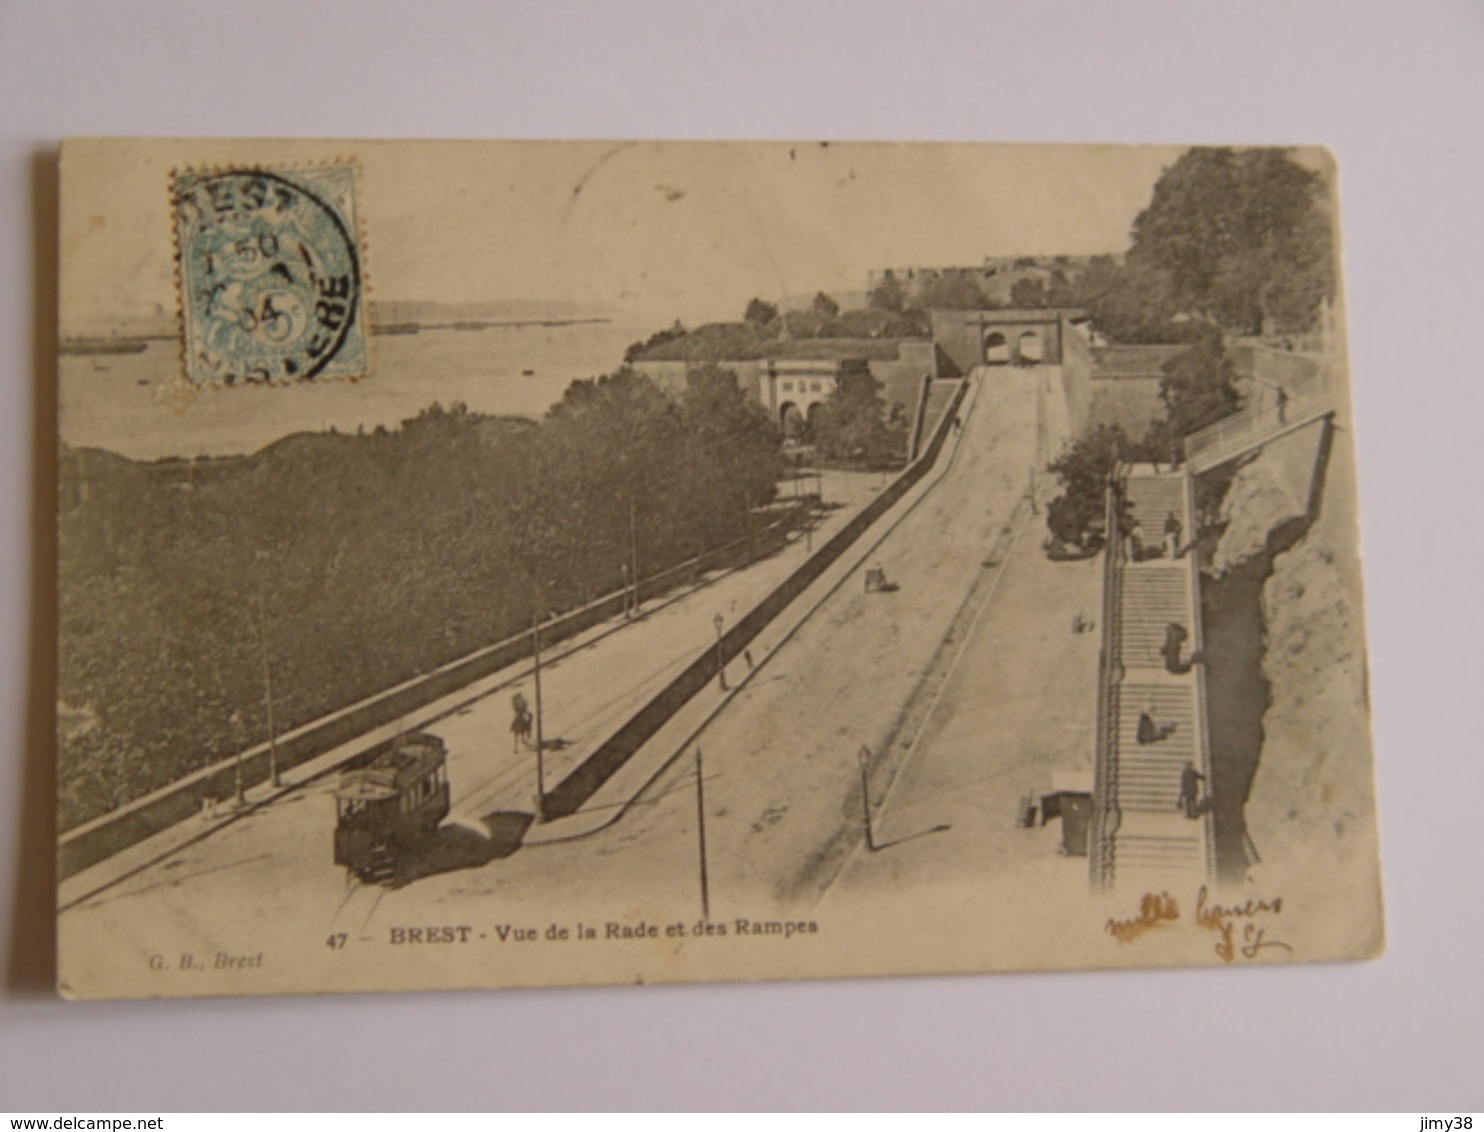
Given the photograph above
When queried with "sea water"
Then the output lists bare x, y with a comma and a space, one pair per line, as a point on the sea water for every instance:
115, 401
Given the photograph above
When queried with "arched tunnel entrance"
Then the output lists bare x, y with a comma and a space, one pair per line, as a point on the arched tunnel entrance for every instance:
1029, 348
996, 349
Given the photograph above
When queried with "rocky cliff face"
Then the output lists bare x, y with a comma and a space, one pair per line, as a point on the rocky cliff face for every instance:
1287, 566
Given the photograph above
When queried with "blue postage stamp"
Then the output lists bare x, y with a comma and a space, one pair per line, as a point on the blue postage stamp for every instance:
271, 279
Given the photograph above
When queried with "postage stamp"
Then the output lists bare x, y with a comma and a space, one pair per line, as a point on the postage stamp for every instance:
271, 286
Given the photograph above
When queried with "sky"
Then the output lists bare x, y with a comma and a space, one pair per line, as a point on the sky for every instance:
666, 230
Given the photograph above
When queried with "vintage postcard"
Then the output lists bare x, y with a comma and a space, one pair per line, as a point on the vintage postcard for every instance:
513, 564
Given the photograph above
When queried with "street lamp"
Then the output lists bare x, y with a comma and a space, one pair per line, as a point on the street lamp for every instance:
721, 671
263, 556
701, 837
633, 571
237, 738
273, 775
540, 740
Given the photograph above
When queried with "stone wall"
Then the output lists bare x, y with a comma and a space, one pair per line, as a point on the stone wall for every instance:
1290, 523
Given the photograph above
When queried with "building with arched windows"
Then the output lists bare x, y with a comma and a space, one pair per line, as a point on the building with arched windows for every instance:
1003, 337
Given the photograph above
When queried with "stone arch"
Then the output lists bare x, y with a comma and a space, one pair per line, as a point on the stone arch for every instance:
996, 349
790, 419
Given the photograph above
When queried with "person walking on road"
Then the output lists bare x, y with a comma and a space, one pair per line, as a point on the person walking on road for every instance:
521, 723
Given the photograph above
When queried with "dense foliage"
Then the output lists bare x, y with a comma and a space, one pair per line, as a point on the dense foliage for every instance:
1236, 238
760, 312
854, 424
1198, 388
1245, 236
351, 563
674, 334
888, 294
867, 333
1075, 517
952, 291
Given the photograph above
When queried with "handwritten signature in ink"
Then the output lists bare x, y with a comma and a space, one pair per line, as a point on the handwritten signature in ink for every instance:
1222, 919
1242, 929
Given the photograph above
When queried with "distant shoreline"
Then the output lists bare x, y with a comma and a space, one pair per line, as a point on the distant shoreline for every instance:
494, 324
77, 345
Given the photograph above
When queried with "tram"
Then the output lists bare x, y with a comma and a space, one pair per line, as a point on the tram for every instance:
387, 807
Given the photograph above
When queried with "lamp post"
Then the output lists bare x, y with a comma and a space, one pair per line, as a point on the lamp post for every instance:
236, 721
747, 519
633, 558
721, 670
262, 557
273, 775
540, 743
701, 836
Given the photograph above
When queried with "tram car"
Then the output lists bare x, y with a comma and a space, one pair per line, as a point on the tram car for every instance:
384, 809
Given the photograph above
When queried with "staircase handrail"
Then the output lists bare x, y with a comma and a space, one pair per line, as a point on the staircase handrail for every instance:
1249, 425
1198, 645
1100, 835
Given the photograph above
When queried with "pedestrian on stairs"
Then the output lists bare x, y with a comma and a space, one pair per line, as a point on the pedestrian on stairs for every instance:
1173, 530
1175, 638
1190, 792
1150, 731
1134, 544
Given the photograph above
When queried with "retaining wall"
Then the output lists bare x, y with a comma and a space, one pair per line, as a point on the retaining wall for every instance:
604, 762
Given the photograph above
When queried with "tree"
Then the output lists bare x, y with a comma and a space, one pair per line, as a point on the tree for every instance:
824, 305
1083, 468
1028, 293
1130, 302
761, 313
637, 350
1060, 291
888, 294
1199, 386
854, 423
1244, 236
953, 291
731, 450
609, 448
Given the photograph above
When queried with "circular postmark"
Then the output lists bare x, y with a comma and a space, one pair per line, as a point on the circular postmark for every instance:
270, 276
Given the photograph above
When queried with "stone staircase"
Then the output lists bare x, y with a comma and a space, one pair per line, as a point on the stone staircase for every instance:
1148, 774
1155, 595
1141, 834
1151, 497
